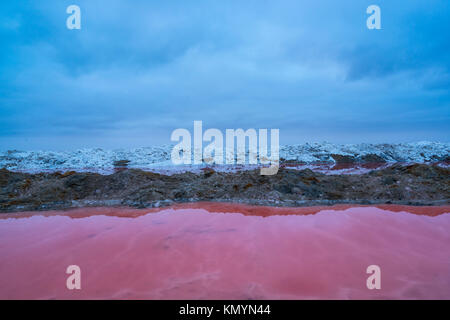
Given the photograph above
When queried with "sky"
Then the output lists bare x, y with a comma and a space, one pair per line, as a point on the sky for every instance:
137, 70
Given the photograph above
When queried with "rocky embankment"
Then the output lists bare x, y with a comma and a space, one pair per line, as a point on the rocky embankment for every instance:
151, 158
417, 184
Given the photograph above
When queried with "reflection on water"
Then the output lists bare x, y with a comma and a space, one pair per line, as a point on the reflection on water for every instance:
204, 251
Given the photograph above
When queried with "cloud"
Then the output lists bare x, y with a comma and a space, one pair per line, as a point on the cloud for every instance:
145, 68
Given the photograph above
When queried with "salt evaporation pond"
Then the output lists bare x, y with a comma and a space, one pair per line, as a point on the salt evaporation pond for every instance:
223, 251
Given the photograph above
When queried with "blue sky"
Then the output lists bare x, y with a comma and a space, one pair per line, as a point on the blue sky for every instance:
137, 70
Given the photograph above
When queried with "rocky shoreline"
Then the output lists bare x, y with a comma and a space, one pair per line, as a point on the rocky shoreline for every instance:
415, 184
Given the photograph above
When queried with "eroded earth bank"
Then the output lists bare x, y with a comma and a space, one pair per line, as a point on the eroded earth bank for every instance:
415, 184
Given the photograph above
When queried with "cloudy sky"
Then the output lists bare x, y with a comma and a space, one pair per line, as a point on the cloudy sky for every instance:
137, 70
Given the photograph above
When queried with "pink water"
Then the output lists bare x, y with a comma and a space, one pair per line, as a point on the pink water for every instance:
218, 251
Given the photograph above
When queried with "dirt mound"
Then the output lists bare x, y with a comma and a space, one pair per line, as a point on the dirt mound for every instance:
417, 184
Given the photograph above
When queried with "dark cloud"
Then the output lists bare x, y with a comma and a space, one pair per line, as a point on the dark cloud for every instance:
144, 68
